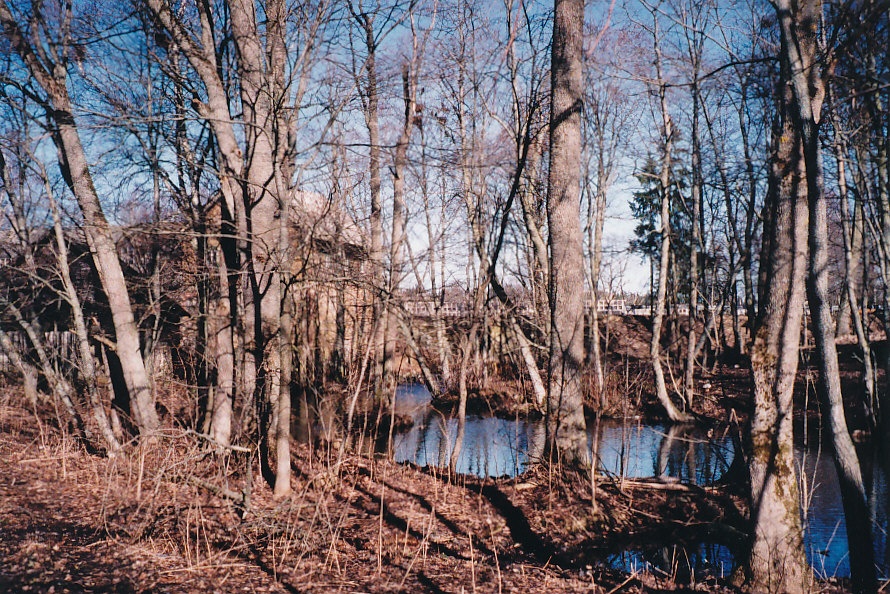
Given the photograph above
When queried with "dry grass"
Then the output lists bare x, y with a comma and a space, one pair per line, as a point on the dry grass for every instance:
176, 514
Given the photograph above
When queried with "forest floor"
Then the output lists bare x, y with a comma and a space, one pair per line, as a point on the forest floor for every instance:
165, 517
177, 515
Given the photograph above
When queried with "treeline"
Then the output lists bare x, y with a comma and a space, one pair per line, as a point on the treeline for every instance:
260, 198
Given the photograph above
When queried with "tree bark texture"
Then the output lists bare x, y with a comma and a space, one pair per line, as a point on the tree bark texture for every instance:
799, 22
566, 432
777, 562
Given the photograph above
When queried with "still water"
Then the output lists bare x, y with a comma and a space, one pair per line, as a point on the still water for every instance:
503, 447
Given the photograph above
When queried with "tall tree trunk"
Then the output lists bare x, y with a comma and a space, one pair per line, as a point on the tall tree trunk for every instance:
776, 562
696, 19
52, 78
746, 260
566, 431
596, 217
370, 103
282, 447
223, 328
200, 51
696, 250
399, 220
673, 413
799, 24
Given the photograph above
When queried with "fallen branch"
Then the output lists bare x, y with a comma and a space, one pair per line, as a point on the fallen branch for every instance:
238, 498
660, 485
209, 438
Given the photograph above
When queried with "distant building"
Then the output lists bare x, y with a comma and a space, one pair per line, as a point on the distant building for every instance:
607, 305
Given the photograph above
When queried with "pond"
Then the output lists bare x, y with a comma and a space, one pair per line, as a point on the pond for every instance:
494, 446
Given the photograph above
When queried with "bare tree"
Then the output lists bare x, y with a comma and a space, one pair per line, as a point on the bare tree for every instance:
49, 67
366, 76
665, 181
777, 562
255, 177
610, 121
799, 25
566, 431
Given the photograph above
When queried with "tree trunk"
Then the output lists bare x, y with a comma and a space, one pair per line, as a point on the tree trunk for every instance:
777, 562
596, 217
399, 220
223, 326
799, 25
566, 432
673, 413
282, 447
370, 103
696, 249
52, 77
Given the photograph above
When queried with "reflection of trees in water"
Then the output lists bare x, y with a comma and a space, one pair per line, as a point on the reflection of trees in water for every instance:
827, 541
683, 451
683, 563
880, 502
485, 446
535, 435
688, 454
302, 419
489, 446
492, 446
315, 418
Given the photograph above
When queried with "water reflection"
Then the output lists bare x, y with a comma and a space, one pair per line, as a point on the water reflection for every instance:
823, 512
685, 452
498, 447
684, 563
